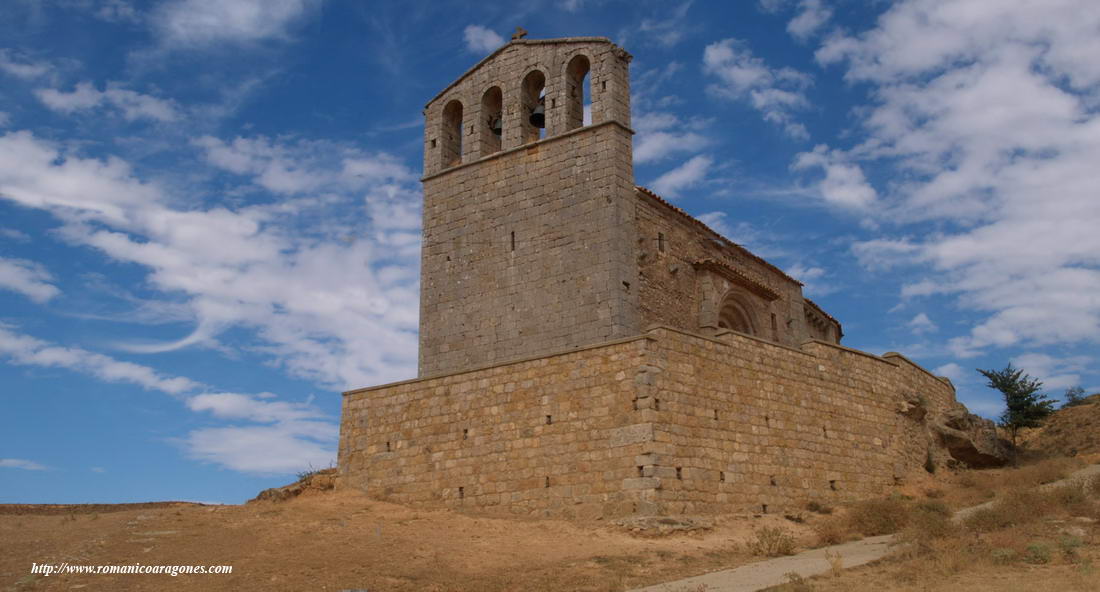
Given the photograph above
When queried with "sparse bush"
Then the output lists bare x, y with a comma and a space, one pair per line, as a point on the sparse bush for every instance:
1003, 555
934, 493
880, 516
818, 508
771, 541
1069, 544
836, 563
1037, 553
832, 531
795, 583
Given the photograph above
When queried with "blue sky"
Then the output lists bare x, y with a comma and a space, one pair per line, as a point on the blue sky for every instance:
209, 210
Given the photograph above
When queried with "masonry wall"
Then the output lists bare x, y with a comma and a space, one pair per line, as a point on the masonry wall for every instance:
539, 437
674, 293
750, 424
529, 249
665, 423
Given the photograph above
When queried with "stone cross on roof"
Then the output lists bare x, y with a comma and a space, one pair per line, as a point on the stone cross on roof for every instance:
520, 33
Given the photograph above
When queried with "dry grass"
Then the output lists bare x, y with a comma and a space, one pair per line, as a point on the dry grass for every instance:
771, 541
1055, 530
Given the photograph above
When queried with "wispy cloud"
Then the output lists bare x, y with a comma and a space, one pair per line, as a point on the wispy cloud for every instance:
206, 23
292, 436
687, 175
232, 266
27, 278
777, 93
19, 463
812, 16
843, 184
132, 105
985, 113
662, 134
481, 39
22, 66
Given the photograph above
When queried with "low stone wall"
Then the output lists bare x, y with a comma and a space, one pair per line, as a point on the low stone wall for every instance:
664, 423
531, 437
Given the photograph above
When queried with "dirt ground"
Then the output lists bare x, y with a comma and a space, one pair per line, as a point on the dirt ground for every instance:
343, 541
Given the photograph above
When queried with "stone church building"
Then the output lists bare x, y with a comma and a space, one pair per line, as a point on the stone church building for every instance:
587, 348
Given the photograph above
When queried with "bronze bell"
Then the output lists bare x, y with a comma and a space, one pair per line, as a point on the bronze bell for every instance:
538, 114
496, 126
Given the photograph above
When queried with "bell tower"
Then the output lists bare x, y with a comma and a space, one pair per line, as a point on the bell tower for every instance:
528, 230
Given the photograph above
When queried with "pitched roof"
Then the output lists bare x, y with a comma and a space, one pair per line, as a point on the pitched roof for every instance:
693, 220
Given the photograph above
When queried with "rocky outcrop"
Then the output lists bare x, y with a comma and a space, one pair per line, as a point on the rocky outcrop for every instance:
969, 439
316, 481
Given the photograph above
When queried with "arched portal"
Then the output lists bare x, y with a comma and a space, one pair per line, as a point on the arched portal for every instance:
735, 316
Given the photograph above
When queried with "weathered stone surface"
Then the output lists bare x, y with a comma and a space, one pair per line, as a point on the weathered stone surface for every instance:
969, 438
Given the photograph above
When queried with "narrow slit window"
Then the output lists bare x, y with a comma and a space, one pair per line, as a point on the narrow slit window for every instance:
680, 473
513, 240
661, 242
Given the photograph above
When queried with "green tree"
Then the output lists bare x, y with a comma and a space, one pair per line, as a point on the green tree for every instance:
1025, 406
1075, 395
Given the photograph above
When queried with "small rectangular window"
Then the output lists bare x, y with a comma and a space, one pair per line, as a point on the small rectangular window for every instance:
661, 242
513, 240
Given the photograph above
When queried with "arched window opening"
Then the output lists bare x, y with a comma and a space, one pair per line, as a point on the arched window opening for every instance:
734, 317
492, 120
534, 106
451, 134
579, 93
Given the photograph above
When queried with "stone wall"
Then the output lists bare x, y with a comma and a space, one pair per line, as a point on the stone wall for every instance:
536, 437
674, 291
665, 423
529, 249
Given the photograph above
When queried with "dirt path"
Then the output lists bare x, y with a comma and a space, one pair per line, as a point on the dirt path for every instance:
773, 572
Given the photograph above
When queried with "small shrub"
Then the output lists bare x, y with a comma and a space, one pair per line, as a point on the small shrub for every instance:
1069, 544
934, 493
930, 521
795, 583
796, 518
832, 531
836, 563
1037, 553
881, 516
1003, 555
771, 542
818, 508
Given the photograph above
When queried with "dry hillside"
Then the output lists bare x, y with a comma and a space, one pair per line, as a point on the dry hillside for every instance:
1070, 431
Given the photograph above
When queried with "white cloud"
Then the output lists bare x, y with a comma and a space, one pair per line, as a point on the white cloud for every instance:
921, 324
776, 92
21, 66
117, 11
273, 449
202, 23
685, 176
1056, 373
717, 222
133, 105
952, 371
30, 351
481, 40
662, 134
812, 279
986, 114
295, 437
311, 275
812, 15
669, 29
18, 463
844, 183
28, 278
